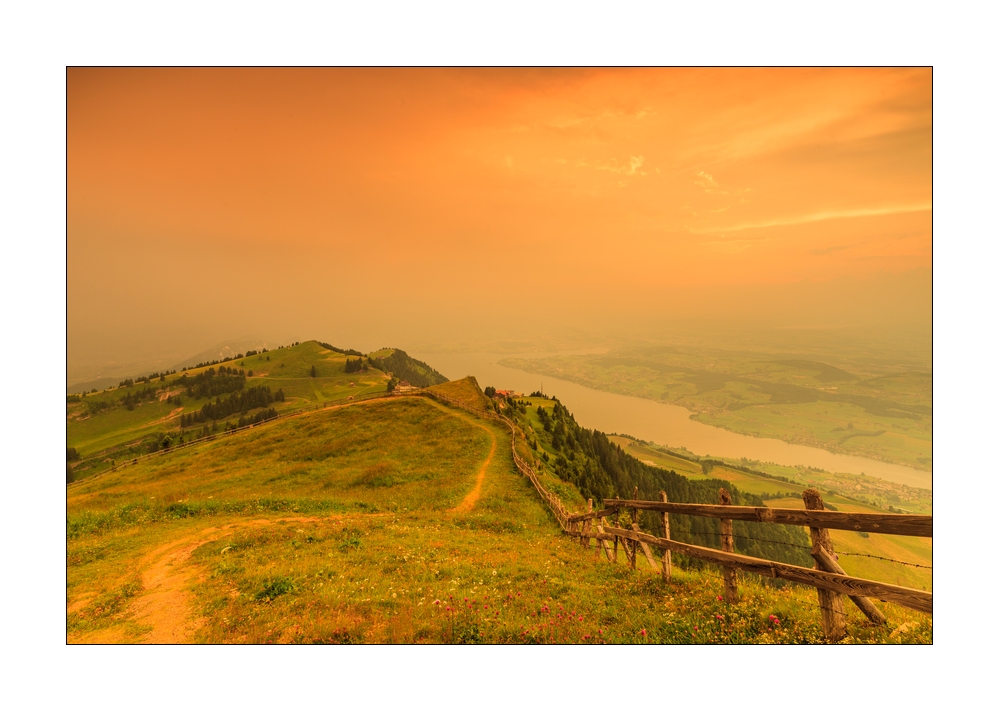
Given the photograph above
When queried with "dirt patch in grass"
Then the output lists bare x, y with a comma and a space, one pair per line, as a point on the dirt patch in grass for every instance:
473, 496
164, 604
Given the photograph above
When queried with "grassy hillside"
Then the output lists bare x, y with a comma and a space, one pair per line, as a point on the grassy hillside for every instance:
101, 428
402, 366
400, 520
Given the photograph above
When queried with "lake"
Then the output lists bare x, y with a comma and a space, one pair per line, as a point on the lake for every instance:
668, 425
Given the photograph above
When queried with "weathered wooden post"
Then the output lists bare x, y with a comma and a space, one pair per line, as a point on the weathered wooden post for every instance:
633, 557
604, 544
667, 554
617, 524
587, 523
831, 603
728, 545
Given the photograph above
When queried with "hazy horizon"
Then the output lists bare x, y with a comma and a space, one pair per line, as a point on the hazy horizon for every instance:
424, 208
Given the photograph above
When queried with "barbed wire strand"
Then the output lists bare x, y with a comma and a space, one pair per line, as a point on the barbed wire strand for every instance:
808, 548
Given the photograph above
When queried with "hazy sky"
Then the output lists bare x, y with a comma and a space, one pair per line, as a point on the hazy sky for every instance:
370, 206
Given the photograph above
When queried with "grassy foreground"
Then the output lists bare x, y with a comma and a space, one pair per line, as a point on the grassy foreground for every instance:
388, 521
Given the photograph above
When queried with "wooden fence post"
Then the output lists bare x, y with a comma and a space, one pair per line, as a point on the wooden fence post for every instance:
605, 544
633, 553
617, 540
831, 603
587, 524
827, 563
667, 554
728, 545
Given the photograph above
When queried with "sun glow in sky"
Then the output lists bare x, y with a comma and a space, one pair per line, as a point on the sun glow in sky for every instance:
290, 193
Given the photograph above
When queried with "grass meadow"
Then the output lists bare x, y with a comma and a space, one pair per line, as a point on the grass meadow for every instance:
119, 433
353, 525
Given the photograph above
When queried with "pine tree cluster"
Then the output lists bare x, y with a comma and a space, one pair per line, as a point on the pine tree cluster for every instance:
240, 402
211, 383
131, 399
601, 469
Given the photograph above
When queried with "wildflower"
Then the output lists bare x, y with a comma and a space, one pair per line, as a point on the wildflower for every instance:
719, 617
719, 597
436, 602
643, 632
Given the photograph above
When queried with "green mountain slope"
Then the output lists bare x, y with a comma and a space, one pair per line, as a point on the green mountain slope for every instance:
140, 415
402, 366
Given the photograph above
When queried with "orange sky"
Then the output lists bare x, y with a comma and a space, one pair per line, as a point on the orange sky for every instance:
676, 192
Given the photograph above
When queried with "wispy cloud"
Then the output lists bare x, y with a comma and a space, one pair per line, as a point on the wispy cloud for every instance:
818, 217
706, 181
630, 167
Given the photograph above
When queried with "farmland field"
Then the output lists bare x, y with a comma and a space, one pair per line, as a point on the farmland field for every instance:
872, 411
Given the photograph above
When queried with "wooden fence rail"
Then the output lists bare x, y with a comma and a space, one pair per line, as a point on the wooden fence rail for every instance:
907, 597
900, 524
827, 576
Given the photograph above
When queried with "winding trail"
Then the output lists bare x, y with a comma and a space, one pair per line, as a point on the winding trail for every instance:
164, 605
469, 501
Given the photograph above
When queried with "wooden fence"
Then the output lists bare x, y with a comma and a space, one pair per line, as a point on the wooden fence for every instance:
827, 576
